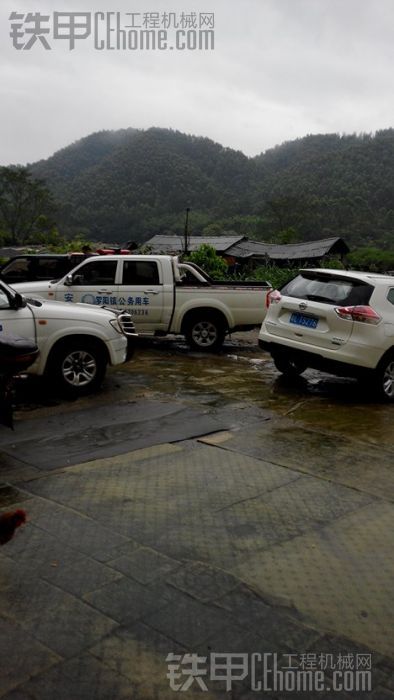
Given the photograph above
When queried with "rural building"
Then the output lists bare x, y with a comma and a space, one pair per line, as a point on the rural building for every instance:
245, 251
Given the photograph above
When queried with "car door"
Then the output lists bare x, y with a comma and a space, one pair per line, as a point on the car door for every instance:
93, 282
15, 321
141, 292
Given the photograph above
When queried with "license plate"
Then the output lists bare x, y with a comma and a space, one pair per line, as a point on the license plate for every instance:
301, 320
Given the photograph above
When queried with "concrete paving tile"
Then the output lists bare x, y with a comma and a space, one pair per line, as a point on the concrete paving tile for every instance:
145, 565
21, 656
127, 601
11, 569
198, 538
380, 693
83, 678
339, 577
330, 456
38, 550
275, 627
122, 550
79, 531
138, 455
70, 627
245, 606
202, 581
10, 495
235, 639
81, 577
14, 470
23, 596
229, 476
216, 438
188, 623
289, 510
137, 636
140, 653
383, 673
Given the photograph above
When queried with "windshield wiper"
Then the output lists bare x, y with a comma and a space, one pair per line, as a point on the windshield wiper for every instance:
316, 297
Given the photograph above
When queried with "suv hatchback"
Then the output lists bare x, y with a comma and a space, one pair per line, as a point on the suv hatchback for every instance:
337, 321
29, 268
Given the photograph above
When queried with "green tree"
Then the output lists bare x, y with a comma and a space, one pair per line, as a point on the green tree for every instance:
25, 205
207, 258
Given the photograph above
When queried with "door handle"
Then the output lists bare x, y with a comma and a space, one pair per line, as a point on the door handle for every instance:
151, 291
104, 291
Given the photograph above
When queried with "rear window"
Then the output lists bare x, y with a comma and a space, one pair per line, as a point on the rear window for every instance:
48, 268
328, 290
140, 272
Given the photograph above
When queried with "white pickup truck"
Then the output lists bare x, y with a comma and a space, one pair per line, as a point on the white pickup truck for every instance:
75, 343
162, 295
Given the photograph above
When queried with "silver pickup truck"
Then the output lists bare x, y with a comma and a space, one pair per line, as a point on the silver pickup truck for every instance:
162, 295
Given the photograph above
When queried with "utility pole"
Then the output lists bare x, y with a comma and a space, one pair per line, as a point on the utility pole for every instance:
186, 233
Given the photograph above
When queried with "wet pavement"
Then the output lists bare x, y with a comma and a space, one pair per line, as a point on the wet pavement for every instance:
198, 504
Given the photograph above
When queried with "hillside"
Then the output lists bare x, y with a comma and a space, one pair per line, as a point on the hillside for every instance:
130, 184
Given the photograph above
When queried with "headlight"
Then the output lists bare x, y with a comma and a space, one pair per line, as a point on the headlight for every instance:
123, 323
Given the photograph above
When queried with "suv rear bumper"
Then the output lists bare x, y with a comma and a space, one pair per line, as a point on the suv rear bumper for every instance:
315, 360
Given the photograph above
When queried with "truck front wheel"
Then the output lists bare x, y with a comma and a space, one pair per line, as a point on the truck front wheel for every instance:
205, 333
77, 367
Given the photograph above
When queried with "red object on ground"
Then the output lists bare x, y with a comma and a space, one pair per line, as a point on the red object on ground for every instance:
9, 522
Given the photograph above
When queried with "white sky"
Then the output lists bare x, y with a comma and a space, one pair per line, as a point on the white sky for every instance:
280, 69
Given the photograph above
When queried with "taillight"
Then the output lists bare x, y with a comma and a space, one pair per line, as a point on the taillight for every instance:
273, 297
363, 314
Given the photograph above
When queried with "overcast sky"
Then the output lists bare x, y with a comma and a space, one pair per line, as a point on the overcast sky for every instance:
280, 69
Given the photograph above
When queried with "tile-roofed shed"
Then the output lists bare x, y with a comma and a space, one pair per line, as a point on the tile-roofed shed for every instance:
176, 244
291, 251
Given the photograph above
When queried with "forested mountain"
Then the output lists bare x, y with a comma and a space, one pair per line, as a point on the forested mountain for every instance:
131, 184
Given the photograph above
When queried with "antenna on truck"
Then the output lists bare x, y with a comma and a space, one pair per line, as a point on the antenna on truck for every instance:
186, 233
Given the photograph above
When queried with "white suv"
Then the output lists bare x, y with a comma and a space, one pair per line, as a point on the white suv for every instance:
76, 342
336, 321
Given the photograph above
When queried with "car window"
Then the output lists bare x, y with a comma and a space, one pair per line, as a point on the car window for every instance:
48, 268
96, 273
140, 272
390, 295
328, 290
16, 270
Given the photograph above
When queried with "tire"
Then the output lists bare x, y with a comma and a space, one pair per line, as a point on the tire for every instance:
384, 378
77, 367
205, 333
288, 365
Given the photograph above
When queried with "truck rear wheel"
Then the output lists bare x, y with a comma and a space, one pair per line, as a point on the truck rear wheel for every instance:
205, 333
78, 366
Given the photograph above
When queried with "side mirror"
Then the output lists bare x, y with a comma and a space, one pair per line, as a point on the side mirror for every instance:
68, 281
19, 301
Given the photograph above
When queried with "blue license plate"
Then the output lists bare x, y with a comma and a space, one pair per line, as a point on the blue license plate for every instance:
301, 320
